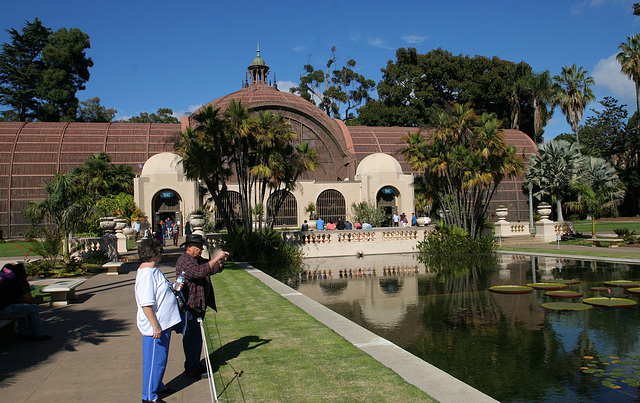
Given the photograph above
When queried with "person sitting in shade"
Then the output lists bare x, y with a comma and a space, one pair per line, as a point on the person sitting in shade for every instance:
331, 226
16, 302
347, 225
340, 224
357, 225
305, 226
366, 225
320, 224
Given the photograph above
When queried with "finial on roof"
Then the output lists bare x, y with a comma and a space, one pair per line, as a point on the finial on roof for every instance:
258, 60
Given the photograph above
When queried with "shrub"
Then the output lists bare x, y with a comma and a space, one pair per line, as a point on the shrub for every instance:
98, 256
265, 250
629, 237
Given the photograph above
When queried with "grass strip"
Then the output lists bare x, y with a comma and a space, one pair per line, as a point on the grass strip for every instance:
287, 355
555, 251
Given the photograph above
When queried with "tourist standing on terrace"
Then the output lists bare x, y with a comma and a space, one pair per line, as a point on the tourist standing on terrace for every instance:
157, 314
198, 291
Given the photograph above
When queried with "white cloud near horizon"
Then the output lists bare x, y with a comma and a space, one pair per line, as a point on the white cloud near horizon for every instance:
190, 109
607, 73
414, 38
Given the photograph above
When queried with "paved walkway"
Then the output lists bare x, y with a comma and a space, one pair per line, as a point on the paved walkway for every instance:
95, 354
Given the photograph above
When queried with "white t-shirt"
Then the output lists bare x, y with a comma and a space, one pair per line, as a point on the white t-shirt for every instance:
152, 289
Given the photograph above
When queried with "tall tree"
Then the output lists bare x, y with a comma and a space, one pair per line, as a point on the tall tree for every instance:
552, 171
91, 111
416, 86
629, 59
66, 72
573, 93
464, 161
41, 71
21, 68
164, 115
342, 86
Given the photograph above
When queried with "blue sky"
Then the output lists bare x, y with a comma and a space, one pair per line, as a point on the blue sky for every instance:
180, 55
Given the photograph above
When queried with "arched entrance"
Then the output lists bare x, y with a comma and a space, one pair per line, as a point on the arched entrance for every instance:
387, 198
167, 203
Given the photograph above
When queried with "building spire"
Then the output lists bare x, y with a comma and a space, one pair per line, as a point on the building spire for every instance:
258, 70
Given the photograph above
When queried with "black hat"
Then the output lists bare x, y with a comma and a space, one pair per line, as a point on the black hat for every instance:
194, 239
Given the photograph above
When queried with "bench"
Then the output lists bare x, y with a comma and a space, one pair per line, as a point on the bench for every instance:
613, 242
62, 291
113, 268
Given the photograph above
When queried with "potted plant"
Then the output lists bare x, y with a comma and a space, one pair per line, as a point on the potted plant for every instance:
311, 209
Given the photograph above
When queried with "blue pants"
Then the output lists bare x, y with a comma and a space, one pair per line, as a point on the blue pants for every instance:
28, 316
192, 345
154, 362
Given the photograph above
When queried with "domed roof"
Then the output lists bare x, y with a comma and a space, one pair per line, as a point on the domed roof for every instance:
378, 163
163, 164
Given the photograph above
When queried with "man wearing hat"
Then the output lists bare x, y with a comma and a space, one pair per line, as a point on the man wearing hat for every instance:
198, 292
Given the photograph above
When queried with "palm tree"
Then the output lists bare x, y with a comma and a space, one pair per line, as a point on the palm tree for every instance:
539, 87
463, 161
64, 207
629, 59
573, 93
553, 170
598, 190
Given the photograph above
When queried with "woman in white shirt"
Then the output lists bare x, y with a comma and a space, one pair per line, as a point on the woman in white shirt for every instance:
157, 314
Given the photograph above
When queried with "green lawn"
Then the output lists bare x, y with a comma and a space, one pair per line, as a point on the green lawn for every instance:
288, 356
585, 226
15, 248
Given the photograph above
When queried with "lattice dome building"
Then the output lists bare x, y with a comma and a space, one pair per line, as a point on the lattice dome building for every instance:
349, 169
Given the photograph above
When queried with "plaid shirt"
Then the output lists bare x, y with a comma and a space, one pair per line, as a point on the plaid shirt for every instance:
195, 269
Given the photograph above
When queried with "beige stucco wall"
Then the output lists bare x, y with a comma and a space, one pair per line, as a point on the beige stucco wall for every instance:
164, 172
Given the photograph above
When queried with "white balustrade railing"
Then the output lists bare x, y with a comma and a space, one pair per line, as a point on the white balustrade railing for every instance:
354, 236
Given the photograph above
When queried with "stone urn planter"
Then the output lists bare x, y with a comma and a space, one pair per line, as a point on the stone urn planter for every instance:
120, 224
197, 222
502, 213
128, 231
544, 210
312, 224
108, 224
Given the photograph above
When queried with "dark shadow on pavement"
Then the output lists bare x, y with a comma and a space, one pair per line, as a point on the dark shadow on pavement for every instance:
68, 327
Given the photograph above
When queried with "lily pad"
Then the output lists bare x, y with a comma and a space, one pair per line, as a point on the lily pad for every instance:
610, 302
511, 289
547, 286
562, 281
622, 283
564, 294
566, 306
634, 290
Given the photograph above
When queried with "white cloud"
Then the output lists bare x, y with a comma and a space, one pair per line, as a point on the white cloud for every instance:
284, 85
379, 43
414, 38
607, 73
190, 109
299, 48
355, 36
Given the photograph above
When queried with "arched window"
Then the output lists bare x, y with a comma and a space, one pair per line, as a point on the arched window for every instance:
232, 204
288, 210
331, 206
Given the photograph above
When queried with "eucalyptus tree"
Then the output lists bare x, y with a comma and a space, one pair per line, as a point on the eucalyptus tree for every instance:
552, 171
629, 59
598, 190
463, 162
573, 93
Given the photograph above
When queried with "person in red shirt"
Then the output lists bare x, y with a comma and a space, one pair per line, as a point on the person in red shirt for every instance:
198, 292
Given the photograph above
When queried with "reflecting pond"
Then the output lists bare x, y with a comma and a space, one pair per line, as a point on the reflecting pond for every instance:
506, 345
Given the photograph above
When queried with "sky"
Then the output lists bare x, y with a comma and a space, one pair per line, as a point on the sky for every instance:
181, 55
